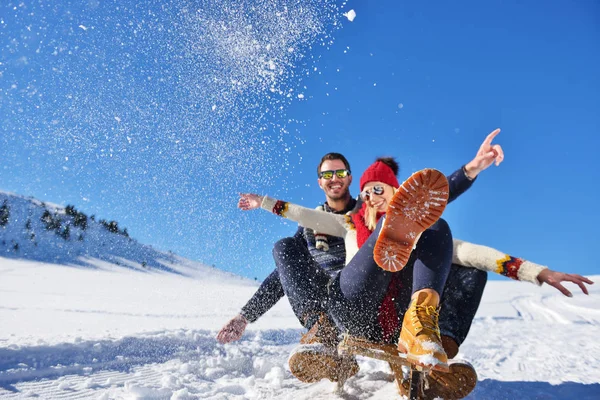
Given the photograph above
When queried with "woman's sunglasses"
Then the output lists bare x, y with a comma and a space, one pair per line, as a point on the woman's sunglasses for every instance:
340, 173
365, 195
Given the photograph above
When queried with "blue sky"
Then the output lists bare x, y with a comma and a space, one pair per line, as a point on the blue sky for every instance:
156, 116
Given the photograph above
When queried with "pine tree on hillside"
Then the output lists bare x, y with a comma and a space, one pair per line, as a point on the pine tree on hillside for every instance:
70, 210
52, 223
4, 213
66, 233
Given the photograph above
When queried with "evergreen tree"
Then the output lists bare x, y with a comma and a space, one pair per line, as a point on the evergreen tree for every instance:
66, 233
52, 224
80, 220
4, 213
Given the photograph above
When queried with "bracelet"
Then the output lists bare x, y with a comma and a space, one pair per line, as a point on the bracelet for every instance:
466, 175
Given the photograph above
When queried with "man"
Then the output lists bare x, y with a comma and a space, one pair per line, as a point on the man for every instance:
302, 247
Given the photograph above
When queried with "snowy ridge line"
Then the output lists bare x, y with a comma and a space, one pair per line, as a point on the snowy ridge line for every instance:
46, 232
18, 364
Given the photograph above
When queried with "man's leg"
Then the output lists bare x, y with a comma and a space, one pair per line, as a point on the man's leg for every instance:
304, 282
460, 301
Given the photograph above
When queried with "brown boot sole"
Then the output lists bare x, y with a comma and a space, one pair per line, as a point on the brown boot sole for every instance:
310, 367
418, 204
456, 384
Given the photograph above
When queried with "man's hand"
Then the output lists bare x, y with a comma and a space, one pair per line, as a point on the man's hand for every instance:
554, 278
233, 330
488, 153
249, 201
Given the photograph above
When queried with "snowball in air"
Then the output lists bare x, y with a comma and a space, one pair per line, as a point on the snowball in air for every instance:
350, 15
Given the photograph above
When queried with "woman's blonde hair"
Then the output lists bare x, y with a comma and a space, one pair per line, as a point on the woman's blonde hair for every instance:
371, 214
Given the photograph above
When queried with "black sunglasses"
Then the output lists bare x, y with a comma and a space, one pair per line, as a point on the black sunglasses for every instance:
340, 173
365, 195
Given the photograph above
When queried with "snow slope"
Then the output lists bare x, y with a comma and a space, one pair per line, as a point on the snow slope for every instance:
69, 332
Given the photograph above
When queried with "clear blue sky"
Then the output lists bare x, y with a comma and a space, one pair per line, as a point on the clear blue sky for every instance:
157, 115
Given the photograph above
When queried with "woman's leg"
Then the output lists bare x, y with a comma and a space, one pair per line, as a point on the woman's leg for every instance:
358, 290
356, 294
420, 337
433, 258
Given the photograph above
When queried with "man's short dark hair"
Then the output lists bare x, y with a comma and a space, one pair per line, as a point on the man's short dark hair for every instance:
333, 156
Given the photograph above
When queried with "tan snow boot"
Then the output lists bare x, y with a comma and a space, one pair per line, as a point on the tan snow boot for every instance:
317, 357
418, 204
456, 384
453, 385
450, 346
420, 335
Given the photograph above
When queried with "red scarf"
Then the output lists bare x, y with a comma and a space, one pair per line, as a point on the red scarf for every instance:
386, 315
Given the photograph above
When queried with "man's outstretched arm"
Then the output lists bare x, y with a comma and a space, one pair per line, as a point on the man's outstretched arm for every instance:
267, 295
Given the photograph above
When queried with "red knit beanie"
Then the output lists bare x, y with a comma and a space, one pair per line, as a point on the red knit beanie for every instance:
380, 172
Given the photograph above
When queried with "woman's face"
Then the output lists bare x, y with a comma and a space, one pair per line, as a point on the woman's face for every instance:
373, 199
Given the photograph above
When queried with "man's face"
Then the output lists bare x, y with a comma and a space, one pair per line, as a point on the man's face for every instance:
335, 188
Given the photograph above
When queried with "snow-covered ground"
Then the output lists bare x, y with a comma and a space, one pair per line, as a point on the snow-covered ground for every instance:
114, 332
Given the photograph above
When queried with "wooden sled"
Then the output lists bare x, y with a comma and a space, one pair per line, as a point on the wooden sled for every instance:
389, 353
396, 360
418, 382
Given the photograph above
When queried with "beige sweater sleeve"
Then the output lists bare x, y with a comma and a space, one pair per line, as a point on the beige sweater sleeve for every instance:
489, 259
319, 221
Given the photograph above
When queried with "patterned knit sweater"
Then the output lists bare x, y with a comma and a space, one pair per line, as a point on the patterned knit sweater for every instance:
327, 251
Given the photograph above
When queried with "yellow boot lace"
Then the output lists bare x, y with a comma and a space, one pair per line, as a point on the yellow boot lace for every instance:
427, 318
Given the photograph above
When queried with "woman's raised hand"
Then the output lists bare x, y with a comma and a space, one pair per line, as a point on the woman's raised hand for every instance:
249, 201
487, 155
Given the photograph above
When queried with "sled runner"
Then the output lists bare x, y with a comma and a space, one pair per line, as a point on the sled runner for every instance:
415, 381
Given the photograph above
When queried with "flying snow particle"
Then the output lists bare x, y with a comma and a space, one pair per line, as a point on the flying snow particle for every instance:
350, 15
214, 107
83, 27
401, 106
300, 96
118, 119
